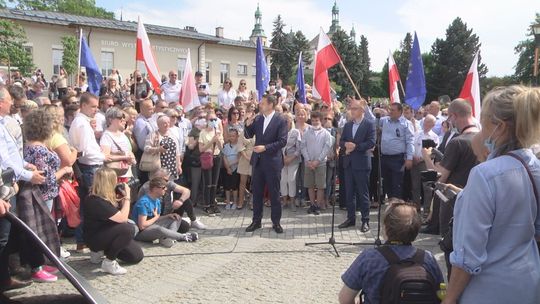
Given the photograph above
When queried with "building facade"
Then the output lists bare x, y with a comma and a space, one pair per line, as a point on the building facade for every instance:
113, 44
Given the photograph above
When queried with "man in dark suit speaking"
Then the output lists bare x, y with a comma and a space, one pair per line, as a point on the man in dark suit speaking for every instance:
357, 139
270, 131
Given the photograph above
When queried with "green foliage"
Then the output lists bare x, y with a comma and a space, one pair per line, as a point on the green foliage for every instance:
77, 7
525, 50
492, 82
301, 44
12, 51
452, 58
283, 60
352, 58
71, 54
365, 63
401, 57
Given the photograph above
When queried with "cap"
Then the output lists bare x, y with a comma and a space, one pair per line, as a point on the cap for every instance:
198, 74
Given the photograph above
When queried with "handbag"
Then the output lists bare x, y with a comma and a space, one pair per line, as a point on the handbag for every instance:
121, 167
535, 190
70, 202
207, 159
151, 161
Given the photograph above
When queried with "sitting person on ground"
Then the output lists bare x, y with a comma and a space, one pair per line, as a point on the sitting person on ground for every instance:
152, 225
105, 227
181, 201
367, 273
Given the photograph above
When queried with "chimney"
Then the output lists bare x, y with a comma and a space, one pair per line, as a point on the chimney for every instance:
219, 32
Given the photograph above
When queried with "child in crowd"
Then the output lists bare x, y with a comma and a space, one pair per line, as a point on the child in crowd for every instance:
230, 176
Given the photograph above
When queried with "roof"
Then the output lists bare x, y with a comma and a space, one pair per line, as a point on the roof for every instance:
56, 18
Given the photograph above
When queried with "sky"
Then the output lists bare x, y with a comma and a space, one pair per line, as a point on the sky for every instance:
500, 24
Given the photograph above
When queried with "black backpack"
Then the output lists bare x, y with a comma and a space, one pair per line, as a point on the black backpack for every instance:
407, 281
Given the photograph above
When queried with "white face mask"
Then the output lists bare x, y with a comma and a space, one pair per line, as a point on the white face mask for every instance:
490, 142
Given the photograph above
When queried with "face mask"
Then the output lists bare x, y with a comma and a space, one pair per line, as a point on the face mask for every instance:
272, 87
489, 142
139, 78
213, 124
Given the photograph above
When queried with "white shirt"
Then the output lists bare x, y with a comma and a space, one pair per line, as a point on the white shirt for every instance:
81, 136
421, 135
171, 92
101, 122
267, 119
204, 99
283, 93
226, 99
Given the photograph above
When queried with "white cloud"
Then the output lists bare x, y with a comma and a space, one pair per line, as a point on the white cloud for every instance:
499, 24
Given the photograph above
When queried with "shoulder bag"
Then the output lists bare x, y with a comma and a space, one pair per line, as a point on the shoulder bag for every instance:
121, 167
151, 161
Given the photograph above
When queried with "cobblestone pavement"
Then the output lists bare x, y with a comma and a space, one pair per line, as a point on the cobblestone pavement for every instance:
228, 265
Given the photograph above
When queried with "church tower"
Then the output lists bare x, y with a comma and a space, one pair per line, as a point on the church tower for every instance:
335, 20
258, 30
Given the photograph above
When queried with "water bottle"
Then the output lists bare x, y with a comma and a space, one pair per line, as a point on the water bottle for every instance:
441, 293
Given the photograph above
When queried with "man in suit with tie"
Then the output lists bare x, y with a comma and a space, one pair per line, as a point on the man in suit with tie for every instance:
357, 139
270, 131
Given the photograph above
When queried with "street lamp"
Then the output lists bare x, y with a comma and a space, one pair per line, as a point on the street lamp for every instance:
536, 32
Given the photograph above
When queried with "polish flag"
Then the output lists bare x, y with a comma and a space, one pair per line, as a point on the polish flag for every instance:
393, 79
325, 58
471, 88
189, 98
145, 54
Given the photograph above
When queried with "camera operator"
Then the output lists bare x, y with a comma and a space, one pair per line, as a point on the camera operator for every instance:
457, 162
424, 138
106, 227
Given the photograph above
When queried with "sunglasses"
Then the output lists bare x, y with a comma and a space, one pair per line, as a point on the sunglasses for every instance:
213, 119
242, 84
235, 113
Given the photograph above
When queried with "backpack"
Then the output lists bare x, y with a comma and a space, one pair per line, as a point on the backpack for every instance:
407, 280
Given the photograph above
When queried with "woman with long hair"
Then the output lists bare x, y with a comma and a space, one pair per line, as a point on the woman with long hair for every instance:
226, 95
105, 227
211, 141
61, 83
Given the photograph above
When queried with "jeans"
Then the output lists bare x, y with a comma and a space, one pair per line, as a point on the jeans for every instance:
210, 179
196, 177
164, 227
392, 171
117, 242
85, 183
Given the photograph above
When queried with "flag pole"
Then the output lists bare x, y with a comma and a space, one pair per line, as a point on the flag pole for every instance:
79, 61
133, 76
401, 86
350, 79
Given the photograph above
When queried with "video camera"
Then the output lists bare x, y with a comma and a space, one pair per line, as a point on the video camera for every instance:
120, 189
431, 177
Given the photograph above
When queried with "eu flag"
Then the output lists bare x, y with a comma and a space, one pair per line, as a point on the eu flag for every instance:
415, 87
300, 84
261, 70
93, 75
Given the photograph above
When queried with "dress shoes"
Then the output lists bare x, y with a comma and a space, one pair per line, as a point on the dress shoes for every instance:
365, 227
277, 228
253, 226
346, 224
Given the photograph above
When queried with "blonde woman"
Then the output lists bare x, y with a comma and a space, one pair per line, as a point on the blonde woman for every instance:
105, 226
291, 161
58, 141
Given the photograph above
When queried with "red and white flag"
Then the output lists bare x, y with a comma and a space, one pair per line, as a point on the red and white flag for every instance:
144, 53
189, 98
393, 79
471, 88
325, 58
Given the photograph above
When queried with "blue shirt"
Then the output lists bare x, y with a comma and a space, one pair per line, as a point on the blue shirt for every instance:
145, 206
397, 137
141, 129
496, 218
355, 126
10, 155
367, 272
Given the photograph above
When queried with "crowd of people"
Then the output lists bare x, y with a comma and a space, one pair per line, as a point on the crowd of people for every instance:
139, 163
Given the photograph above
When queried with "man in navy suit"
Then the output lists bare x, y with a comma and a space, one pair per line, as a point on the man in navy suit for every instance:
270, 131
357, 139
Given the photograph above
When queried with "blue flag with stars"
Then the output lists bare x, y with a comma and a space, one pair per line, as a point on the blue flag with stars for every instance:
93, 73
415, 86
262, 73
300, 84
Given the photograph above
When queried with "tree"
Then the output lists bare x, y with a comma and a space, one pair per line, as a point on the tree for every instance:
282, 65
70, 55
12, 51
401, 58
492, 82
525, 50
301, 44
452, 58
351, 57
365, 63
77, 7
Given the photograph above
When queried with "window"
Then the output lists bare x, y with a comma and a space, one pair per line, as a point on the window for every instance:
224, 72
254, 72
107, 63
181, 68
57, 55
207, 71
242, 69
29, 49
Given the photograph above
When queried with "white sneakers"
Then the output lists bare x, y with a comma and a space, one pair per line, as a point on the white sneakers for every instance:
166, 242
64, 253
95, 257
197, 224
112, 267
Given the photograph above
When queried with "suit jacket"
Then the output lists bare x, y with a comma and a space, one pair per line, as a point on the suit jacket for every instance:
358, 159
274, 139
